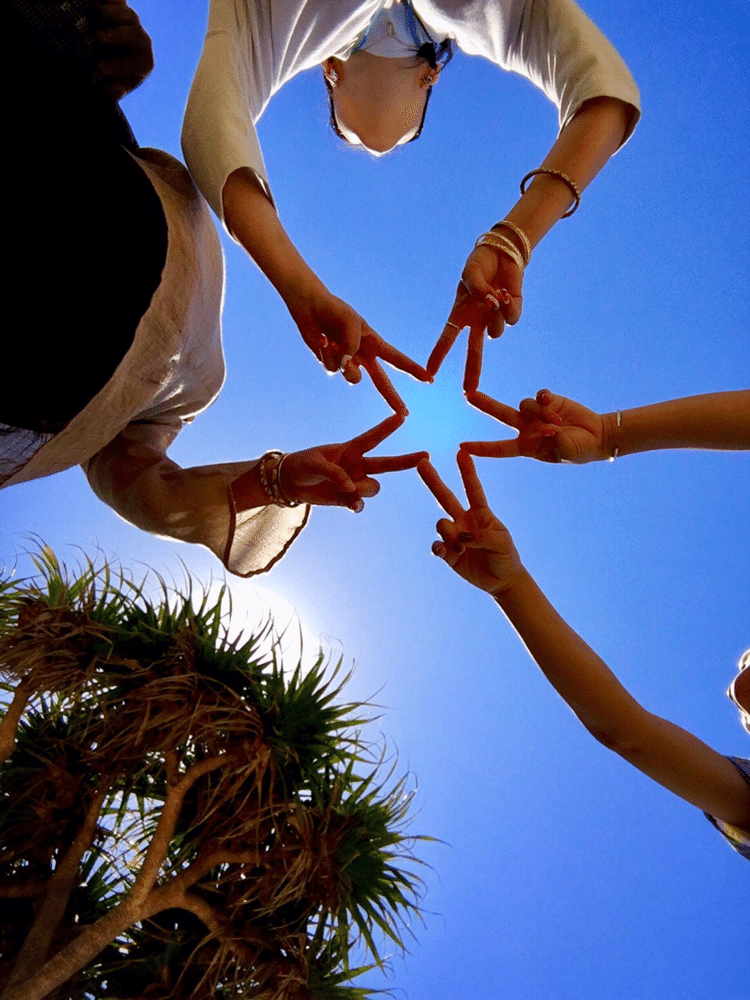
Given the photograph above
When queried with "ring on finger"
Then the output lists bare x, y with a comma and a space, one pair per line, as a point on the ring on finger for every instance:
454, 325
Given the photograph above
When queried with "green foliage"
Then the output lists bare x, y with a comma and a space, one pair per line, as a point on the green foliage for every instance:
251, 786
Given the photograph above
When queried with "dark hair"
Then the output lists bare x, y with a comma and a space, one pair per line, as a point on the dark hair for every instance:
432, 52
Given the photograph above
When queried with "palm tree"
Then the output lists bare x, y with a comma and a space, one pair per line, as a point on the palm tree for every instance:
179, 817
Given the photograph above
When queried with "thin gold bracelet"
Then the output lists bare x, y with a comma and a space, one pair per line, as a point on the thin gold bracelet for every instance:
525, 241
504, 245
574, 190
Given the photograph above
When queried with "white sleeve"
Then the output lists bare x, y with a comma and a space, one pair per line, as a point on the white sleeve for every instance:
550, 42
218, 133
133, 475
564, 53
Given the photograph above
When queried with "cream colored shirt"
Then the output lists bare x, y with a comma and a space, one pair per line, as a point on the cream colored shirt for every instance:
173, 371
253, 47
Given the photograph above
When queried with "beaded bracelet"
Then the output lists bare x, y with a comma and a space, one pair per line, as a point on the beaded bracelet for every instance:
561, 177
525, 241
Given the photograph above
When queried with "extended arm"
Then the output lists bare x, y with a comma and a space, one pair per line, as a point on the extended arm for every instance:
333, 331
479, 548
553, 428
673, 757
229, 507
564, 54
719, 420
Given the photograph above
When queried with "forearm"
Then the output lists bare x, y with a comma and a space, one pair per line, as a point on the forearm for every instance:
580, 152
666, 753
252, 220
578, 675
719, 420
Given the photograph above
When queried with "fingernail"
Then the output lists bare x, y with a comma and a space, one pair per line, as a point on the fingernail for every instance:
504, 295
465, 536
323, 340
437, 548
358, 506
492, 301
345, 361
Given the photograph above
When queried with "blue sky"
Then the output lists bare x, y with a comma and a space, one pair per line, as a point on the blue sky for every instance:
565, 874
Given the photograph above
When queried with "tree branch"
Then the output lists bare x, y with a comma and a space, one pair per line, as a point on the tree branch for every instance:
157, 850
35, 948
9, 723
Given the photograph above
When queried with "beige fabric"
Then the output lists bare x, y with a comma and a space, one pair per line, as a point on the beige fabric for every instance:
174, 369
253, 47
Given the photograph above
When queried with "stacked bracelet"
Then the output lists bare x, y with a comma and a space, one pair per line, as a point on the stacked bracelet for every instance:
269, 470
522, 237
499, 242
561, 177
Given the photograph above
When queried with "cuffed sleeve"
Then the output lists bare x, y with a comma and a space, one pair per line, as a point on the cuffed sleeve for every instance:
134, 476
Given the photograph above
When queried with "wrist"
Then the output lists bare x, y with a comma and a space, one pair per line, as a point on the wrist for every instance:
515, 235
511, 593
611, 435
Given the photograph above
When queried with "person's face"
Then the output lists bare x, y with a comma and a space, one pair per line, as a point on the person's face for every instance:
379, 102
739, 690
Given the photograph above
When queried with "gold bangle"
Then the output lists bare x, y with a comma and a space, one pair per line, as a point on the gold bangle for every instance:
269, 469
525, 241
504, 245
561, 177
284, 499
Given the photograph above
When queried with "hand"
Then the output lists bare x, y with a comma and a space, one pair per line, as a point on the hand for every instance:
127, 56
475, 544
339, 474
342, 341
550, 428
489, 296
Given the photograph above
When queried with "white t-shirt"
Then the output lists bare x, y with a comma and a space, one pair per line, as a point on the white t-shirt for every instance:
253, 47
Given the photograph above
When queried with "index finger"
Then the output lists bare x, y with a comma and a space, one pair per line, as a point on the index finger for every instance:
446, 340
369, 439
447, 500
393, 463
398, 359
494, 408
474, 488
492, 449
385, 387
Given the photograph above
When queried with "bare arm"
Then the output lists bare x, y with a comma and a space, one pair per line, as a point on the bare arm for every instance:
337, 335
479, 548
673, 757
253, 221
718, 420
581, 150
553, 428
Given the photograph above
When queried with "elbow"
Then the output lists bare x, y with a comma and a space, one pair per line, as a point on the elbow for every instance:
624, 735
613, 739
